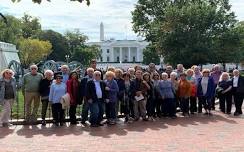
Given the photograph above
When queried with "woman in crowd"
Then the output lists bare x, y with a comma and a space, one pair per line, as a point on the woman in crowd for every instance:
205, 92
44, 90
184, 93
131, 71
173, 79
155, 95
224, 93
120, 82
57, 91
127, 103
7, 95
112, 98
168, 95
149, 95
193, 98
73, 86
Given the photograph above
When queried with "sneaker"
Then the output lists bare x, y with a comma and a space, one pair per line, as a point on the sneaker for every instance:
43, 123
210, 114
145, 119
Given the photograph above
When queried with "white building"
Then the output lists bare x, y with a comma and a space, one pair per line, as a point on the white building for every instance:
119, 51
8, 52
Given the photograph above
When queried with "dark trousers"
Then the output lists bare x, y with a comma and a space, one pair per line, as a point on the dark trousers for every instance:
151, 107
84, 113
94, 113
72, 113
238, 99
58, 113
207, 103
159, 107
213, 99
193, 104
184, 105
111, 110
170, 105
44, 108
101, 110
225, 102
125, 107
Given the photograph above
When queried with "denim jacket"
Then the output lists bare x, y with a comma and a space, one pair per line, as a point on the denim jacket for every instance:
2, 88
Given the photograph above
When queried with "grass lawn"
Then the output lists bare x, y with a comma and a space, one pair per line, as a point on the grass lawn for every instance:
19, 113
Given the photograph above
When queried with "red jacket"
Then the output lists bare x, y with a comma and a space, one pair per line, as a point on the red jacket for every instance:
73, 90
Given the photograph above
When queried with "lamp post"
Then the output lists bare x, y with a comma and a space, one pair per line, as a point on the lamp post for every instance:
67, 58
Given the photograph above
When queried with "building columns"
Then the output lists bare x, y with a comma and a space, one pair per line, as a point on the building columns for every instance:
137, 55
129, 53
120, 55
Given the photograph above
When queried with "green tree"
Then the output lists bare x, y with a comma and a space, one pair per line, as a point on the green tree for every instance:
39, 1
85, 54
150, 55
11, 31
75, 40
186, 31
30, 26
59, 44
33, 50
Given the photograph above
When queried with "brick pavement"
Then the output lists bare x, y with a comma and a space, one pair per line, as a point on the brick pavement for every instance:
198, 133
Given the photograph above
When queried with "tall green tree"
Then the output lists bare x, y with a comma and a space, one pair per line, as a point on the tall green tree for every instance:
10, 31
59, 44
188, 31
75, 40
150, 54
30, 26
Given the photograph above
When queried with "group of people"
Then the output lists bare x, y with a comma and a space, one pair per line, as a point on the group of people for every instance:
135, 93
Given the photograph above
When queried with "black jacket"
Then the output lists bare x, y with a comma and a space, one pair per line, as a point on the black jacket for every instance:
240, 87
44, 87
91, 91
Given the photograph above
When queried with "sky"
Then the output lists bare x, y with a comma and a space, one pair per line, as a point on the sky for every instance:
63, 15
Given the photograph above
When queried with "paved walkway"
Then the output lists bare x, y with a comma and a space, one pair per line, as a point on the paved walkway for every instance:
199, 133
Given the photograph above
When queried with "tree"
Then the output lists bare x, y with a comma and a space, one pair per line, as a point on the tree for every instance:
39, 1
186, 31
33, 50
59, 44
150, 55
75, 40
30, 26
11, 31
85, 54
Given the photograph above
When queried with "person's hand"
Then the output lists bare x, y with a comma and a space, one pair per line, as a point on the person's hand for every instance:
223, 92
107, 100
138, 93
107, 88
144, 82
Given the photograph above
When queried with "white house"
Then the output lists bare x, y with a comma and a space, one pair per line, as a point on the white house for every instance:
119, 51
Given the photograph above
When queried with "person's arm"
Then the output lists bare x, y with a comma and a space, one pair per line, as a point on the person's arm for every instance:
51, 93
114, 87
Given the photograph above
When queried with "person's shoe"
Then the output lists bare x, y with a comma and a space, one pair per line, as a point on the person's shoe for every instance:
73, 123
228, 113
126, 119
206, 113
101, 124
192, 113
61, 123
56, 124
43, 123
6, 124
145, 119
94, 125
210, 114
136, 119
236, 114
199, 111
173, 117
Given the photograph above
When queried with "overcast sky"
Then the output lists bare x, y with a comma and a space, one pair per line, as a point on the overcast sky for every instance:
60, 15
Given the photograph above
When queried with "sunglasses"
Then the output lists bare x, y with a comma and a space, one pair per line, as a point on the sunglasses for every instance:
58, 78
8, 73
33, 68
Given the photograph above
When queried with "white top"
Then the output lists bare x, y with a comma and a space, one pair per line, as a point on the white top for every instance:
98, 89
235, 81
204, 84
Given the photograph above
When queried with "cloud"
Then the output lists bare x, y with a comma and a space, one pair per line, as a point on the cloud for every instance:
62, 15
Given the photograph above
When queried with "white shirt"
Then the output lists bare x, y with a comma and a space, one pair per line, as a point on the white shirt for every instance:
235, 81
204, 84
98, 89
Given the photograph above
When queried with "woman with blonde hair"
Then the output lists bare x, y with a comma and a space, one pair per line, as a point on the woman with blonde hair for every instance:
224, 93
7, 95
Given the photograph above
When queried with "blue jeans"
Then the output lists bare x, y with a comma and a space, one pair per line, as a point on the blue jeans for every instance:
94, 109
84, 113
101, 110
111, 110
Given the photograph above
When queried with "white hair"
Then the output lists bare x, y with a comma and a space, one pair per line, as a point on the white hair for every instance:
131, 69
164, 74
65, 66
173, 74
224, 73
33, 66
97, 72
89, 69
48, 72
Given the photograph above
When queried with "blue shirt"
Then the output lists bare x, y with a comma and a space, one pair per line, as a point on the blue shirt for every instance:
166, 89
98, 89
56, 92
65, 77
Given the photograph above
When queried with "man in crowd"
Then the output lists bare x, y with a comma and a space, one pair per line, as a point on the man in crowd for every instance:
31, 83
95, 96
